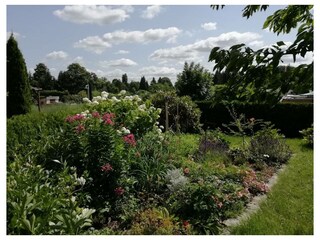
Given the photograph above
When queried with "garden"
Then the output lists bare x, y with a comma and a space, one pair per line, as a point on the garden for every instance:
115, 166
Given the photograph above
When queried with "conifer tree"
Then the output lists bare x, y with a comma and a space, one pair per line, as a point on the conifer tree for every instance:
18, 87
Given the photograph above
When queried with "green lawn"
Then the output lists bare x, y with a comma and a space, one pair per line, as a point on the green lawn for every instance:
288, 209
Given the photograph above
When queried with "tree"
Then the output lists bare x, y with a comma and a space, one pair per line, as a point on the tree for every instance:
133, 87
194, 81
153, 81
165, 80
144, 85
125, 79
259, 78
74, 79
42, 77
18, 87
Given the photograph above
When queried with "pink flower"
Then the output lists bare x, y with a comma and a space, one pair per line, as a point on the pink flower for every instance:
106, 168
129, 139
119, 191
186, 171
96, 114
107, 118
80, 128
69, 119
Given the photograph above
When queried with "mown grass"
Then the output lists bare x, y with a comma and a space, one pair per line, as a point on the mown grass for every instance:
53, 108
288, 209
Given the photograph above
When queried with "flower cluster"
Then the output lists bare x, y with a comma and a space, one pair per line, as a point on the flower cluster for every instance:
107, 118
129, 139
106, 168
77, 117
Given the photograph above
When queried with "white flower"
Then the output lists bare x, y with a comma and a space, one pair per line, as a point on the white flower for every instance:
162, 127
122, 92
104, 94
159, 130
142, 107
86, 100
119, 132
95, 103
81, 181
136, 98
266, 155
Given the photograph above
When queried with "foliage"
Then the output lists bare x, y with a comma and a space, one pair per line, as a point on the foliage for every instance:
183, 114
154, 221
151, 164
42, 77
74, 79
300, 115
257, 77
18, 86
144, 85
41, 202
308, 135
207, 203
130, 111
194, 81
269, 147
211, 142
175, 179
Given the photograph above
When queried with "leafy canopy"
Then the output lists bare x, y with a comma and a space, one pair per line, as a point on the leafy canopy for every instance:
256, 73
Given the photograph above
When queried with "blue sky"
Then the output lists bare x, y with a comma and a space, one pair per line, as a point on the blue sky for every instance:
140, 40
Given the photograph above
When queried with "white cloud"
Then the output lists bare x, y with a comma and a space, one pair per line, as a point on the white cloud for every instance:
288, 60
151, 12
92, 44
93, 14
256, 44
209, 26
141, 36
158, 71
78, 60
123, 62
57, 55
192, 51
122, 52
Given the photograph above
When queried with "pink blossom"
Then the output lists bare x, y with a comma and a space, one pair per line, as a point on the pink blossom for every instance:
129, 139
96, 114
80, 128
106, 168
107, 118
119, 191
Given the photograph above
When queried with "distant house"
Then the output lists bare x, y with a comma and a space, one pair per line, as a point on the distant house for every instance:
303, 98
52, 99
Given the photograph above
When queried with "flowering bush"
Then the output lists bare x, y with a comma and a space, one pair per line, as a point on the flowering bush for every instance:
308, 136
130, 111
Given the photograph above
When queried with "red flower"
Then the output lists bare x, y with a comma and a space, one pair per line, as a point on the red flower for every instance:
96, 114
129, 139
80, 128
186, 224
107, 118
106, 168
119, 191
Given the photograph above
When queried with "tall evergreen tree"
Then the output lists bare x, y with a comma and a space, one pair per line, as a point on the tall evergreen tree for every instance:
144, 85
18, 87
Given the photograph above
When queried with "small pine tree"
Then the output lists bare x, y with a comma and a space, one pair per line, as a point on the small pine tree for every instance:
18, 87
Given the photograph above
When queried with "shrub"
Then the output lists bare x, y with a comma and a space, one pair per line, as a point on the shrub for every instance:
130, 111
269, 147
300, 115
184, 116
150, 165
154, 221
175, 179
213, 143
40, 202
308, 135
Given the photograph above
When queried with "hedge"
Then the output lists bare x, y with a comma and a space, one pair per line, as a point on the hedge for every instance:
290, 118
